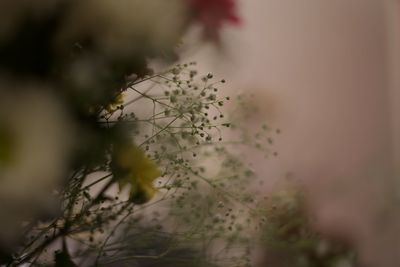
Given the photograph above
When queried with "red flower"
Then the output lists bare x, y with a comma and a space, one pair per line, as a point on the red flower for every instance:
212, 14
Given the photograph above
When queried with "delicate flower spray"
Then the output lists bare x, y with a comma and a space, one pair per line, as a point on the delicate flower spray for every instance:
106, 162
101, 158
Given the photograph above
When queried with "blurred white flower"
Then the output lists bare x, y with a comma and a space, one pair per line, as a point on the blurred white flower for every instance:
13, 13
122, 27
35, 140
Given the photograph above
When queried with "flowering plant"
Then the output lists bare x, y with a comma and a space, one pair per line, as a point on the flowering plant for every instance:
91, 138
105, 161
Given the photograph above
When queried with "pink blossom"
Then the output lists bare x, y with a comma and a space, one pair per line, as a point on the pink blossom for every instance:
212, 14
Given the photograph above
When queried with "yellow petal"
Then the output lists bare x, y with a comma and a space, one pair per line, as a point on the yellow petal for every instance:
119, 100
131, 166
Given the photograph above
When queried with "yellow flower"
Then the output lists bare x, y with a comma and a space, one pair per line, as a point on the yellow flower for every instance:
119, 100
131, 166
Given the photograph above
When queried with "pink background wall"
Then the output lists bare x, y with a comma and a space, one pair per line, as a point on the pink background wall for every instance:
326, 73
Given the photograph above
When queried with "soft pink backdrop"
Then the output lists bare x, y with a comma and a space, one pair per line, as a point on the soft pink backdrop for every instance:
326, 73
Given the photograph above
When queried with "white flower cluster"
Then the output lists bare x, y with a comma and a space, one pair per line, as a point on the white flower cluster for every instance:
36, 137
13, 13
115, 26
120, 27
